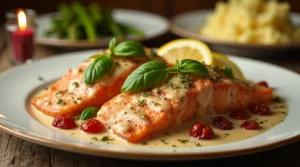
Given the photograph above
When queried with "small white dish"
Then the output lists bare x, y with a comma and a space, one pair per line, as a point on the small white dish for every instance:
17, 85
152, 25
187, 25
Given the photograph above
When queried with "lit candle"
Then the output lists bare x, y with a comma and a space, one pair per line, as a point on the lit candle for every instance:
22, 39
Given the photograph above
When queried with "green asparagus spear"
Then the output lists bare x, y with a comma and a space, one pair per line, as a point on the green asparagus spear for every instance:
113, 26
95, 12
85, 20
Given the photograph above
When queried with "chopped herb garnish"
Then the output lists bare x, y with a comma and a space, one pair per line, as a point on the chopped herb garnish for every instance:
60, 101
144, 143
61, 91
261, 122
174, 146
141, 102
41, 78
215, 68
76, 84
146, 94
79, 98
75, 102
228, 71
94, 138
226, 134
276, 99
137, 94
181, 98
106, 138
164, 141
183, 141
159, 90
198, 145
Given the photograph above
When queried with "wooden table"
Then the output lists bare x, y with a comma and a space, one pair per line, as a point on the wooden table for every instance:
17, 152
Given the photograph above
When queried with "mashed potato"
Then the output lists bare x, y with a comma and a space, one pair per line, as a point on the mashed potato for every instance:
251, 21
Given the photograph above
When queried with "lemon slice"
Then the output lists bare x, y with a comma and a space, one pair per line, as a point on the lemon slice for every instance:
220, 60
185, 49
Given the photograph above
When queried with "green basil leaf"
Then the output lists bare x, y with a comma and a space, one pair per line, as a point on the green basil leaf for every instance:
175, 68
193, 66
98, 68
228, 71
88, 113
146, 76
112, 44
96, 56
129, 48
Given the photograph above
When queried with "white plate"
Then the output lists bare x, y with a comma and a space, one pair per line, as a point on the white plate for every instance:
152, 25
187, 24
17, 84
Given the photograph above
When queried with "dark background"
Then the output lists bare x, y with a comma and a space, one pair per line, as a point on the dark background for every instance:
166, 8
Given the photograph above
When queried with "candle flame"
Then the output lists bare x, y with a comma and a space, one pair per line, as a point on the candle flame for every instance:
22, 22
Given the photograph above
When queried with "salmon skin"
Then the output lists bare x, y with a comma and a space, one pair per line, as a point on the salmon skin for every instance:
70, 95
181, 98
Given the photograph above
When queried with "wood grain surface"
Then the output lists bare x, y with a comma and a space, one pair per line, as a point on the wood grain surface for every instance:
18, 152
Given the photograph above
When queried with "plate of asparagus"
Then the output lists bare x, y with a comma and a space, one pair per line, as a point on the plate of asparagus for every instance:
87, 26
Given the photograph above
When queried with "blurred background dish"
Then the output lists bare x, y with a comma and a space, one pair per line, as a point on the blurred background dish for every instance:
123, 23
189, 23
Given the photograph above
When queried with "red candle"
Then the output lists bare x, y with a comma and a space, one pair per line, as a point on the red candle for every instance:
22, 40
22, 45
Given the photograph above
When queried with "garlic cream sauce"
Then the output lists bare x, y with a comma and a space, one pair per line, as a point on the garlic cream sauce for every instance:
179, 137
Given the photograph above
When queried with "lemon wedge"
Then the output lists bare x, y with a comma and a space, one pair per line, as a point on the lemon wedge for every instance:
220, 60
194, 49
185, 49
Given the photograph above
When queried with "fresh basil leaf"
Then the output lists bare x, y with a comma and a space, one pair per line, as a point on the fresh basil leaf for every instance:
146, 76
228, 71
112, 44
88, 113
129, 48
177, 65
96, 56
175, 68
98, 68
193, 66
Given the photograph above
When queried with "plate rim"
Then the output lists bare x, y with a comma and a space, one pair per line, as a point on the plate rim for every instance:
184, 33
136, 155
149, 155
97, 43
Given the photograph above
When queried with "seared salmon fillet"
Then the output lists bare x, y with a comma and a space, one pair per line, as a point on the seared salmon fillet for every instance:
70, 95
181, 98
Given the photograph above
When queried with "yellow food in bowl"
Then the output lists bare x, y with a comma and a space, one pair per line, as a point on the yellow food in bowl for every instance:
251, 21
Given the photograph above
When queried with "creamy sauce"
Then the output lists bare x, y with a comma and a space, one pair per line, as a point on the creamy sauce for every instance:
179, 137
120, 67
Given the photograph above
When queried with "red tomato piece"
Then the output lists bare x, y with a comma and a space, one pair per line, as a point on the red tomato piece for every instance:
221, 123
250, 125
201, 131
263, 83
241, 115
260, 109
92, 126
64, 122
